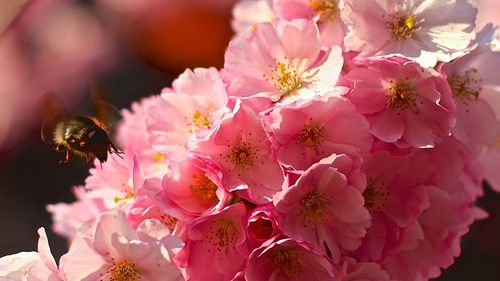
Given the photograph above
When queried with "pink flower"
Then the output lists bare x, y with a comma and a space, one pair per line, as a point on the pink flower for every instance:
248, 13
403, 102
240, 147
309, 131
425, 31
31, 266
442, 225
194, 185
112, 250
211, 245
67, 218
324, 208
395, 196
193, 106
326, 13
134, 137
287, 259
475, 91
351, 270
273, 62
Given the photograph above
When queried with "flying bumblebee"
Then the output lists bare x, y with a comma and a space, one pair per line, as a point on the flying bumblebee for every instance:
88, 137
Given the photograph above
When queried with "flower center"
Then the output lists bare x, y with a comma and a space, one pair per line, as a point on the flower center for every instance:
284, 77
375, 195
242, 155
123, 271
168, 220
129, 194
402, 96
402, 27
199, 120
287, 260
462, 88
313, 207
159, 157
310, 135
204, 189
326, 9
222, 235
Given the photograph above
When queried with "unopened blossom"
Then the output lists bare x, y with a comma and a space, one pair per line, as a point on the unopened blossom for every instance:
190, 109
211, 245
404, 103
326, 13
311, 130
240, 147
288, 259
194, 185
112, 250
274, 62
324, 208
261, 224
475, 88
395, 195
425, 31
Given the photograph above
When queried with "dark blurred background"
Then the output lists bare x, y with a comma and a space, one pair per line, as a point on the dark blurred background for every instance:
132, 49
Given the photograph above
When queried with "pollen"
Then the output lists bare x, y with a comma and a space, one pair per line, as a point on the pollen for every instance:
223, 235
287, 260
285, 78
313, 207
375, 195
204, 189
462, 87
158, 157
402, 96
199, 120
242, 155
325, 9
123, 271
169, 221
310, 135
402, 27
129, 194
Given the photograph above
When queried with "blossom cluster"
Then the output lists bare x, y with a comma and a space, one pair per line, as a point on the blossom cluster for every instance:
342, 140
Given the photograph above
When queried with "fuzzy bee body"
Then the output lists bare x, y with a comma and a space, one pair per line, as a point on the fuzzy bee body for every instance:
87, 137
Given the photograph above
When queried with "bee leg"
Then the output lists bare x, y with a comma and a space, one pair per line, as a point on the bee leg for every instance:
112, 149
68, 157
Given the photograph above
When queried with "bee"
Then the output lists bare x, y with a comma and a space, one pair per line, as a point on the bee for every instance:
88, 137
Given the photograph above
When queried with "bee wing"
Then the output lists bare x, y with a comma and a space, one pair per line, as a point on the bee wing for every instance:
106, 113
53, 111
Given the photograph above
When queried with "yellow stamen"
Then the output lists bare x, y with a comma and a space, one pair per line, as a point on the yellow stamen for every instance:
204, 189
402, 96
310, 135
313, 207
462, 87
222, 235
287, 260
402, 27
326, 9
285, 78
129, 194
375, 195
123, 271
